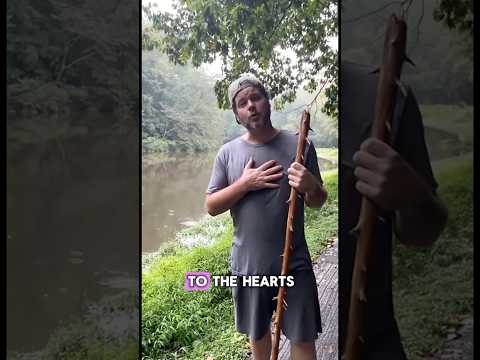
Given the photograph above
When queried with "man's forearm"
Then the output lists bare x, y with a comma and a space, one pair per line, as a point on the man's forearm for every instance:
317, 197
421, 225
223, 200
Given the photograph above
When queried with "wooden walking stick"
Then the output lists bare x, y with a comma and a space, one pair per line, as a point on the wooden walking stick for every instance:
393, 58
281, 303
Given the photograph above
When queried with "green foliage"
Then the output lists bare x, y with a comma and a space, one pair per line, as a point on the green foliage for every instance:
455, 14
68, 66
80, 54
253, 36
327, 153
443, 58
179, 112
322, 225
97, 335
79, 346
433, 287
175, 321
325, 129
178, 108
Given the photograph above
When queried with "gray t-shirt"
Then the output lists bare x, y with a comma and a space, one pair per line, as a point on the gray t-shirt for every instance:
260, 217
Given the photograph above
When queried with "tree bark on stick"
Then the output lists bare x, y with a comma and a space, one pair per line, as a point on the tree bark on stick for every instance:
393, 58
281, 303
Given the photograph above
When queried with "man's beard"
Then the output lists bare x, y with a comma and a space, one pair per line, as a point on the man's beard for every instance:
259, 123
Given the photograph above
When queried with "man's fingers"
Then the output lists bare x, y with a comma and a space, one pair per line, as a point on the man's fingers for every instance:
292, 171
297, 166
273, 170
293, 178
376, 147
368, 176
271, 186
293, 184
366, 189
272, 177
366, 160
266, 165
249, 164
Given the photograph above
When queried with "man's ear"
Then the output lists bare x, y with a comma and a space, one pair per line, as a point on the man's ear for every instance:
235, 114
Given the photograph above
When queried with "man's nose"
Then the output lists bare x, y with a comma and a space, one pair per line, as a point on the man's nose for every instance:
250, 104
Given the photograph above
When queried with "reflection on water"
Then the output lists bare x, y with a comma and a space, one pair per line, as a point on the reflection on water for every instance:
173, 195
72, 237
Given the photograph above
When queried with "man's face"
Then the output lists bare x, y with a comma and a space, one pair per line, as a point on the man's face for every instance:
252, 108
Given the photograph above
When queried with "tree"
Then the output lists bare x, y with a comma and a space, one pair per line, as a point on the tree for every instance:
455, 14
254, 36
178, 112
443, 72
458, 15
71, 66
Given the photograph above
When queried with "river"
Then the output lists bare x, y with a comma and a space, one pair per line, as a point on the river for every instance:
173, 195
72, 233
173, 189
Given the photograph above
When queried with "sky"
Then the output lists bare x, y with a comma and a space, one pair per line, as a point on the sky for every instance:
162, 5
214, 69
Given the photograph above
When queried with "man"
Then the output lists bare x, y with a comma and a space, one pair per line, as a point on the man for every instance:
399, 179
248, 179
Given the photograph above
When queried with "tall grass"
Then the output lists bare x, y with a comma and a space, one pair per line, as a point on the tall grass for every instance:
433, 288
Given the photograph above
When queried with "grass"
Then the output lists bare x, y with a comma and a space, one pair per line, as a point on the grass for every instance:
194, 325
433, 288
98, 335
177, 323
454, 119
322, 225
328, 153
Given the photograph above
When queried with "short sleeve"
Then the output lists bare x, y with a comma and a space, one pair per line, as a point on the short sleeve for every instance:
411, 141
218, 179
311, 162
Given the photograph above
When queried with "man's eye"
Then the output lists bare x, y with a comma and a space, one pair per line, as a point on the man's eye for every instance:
241, 104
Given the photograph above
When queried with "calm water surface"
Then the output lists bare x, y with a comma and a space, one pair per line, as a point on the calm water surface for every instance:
72, 228
173, 196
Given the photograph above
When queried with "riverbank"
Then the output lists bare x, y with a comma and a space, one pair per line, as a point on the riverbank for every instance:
194, 325
108, 330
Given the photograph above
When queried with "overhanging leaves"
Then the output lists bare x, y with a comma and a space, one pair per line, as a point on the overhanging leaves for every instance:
253, 36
